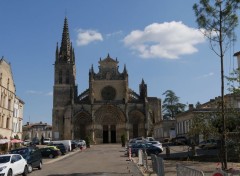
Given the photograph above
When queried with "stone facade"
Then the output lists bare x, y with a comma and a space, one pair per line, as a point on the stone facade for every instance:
184, 120
104, 111
37, 130
11, 106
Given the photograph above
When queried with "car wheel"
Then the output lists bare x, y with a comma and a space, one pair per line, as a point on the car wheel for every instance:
30, 169
9, 172
50, 156
40, 166
25, 172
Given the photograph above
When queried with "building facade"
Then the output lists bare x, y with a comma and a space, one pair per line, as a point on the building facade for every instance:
107, 109
11, 106
37, 131
184, 120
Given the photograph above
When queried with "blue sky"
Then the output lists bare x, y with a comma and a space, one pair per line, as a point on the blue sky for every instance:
157, 40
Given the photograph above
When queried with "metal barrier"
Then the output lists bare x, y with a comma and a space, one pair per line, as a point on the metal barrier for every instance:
157, 165
187, 171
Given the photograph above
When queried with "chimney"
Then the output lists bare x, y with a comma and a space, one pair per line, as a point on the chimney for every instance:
190, 107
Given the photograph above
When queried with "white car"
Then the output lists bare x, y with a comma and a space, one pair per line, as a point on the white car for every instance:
46, 141
13, 164
156, 144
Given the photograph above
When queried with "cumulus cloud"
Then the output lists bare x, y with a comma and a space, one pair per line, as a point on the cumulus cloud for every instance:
164, 40
84, 37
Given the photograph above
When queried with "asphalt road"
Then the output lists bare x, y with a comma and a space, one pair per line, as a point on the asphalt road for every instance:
99, 160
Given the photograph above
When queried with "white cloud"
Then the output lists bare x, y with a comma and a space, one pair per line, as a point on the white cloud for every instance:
114, 33
49, 94
206, 75
84, 37
164, 40
34, 92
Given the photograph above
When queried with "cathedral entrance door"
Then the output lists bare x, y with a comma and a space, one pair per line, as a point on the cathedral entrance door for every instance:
105, 133
109, 133
135, 130
113, 133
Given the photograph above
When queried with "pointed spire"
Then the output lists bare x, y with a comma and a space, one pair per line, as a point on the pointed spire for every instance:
65, 48
143, 81
108, 56
57, 53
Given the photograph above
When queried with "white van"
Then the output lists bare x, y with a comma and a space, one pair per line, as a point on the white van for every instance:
66, 143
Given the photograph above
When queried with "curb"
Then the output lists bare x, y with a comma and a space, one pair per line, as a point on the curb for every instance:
62, 156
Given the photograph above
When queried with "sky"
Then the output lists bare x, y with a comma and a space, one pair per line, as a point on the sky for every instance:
158, 40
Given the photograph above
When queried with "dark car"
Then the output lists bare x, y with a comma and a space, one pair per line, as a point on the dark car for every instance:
149, 148
32, 155
49, 152
61, 147
180, 140
35, 141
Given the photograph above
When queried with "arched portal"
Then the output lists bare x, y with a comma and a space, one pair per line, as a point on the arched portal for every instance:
81, 125
109, 124
136, 120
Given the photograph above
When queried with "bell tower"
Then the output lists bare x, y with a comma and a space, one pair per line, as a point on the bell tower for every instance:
64, 89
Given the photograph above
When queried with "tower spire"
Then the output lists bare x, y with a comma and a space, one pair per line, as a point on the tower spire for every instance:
65, 49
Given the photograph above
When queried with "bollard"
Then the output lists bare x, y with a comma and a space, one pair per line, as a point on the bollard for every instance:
130, 154
167, 151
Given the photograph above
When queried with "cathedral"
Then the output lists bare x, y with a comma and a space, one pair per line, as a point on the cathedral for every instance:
107, 109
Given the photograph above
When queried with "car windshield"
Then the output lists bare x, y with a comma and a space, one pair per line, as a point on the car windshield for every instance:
4, 159
22, 152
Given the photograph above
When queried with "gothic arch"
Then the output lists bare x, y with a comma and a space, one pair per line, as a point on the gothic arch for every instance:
137, 123
109, 114
81, 124
109, 124
136, 116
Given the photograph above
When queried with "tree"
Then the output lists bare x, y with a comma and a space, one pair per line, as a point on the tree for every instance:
171, 105
217, 20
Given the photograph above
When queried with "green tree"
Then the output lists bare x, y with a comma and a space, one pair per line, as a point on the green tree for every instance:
171, 105
217, 19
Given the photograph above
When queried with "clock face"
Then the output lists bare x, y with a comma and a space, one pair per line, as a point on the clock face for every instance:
108, 93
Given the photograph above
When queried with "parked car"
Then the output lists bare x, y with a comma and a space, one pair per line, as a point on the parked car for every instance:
150, 139
131, 142
74, 145
32, 155
35, 141
180, 140
13, 164
140, 139
156, 143
150, 149
46, 141
49, 152
80, 143
26, 142
208, 144
61, 147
